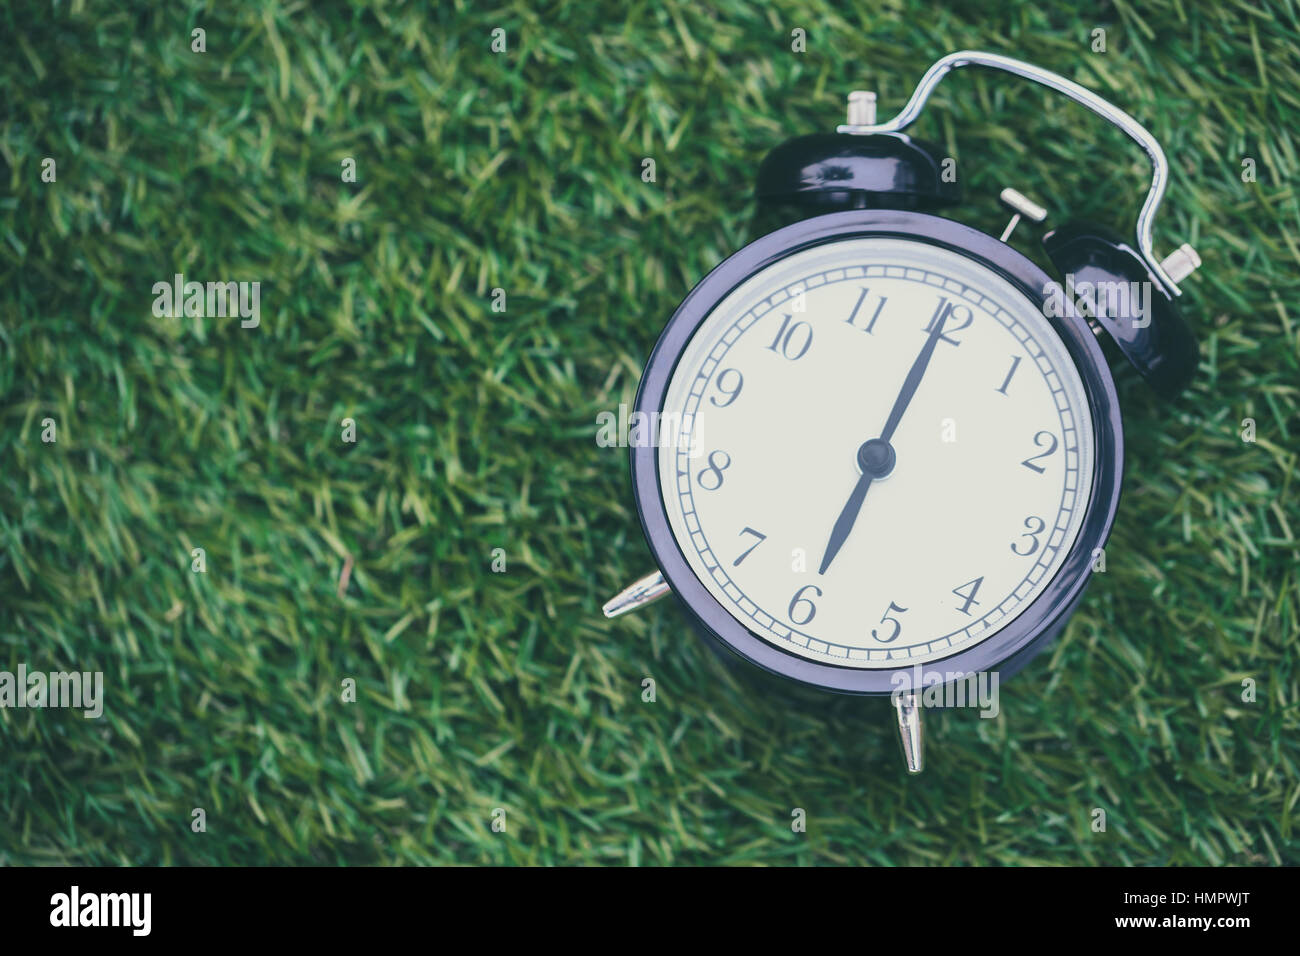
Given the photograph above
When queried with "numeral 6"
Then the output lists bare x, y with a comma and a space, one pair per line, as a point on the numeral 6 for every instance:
799, 599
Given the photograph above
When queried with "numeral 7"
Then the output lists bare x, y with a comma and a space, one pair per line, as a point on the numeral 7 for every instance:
757, 534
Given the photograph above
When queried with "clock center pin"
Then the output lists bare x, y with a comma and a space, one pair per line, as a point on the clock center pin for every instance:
876, 458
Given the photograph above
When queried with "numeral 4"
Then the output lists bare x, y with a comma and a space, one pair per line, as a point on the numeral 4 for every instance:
969, 598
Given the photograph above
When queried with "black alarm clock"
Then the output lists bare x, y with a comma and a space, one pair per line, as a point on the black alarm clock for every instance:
887, 449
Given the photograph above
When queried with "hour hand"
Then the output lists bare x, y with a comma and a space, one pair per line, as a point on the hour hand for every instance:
876, 459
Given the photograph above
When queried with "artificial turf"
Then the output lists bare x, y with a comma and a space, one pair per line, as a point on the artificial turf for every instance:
479, 689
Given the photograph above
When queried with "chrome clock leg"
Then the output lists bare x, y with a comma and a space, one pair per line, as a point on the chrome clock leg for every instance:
909, 731
653, 586
650, 588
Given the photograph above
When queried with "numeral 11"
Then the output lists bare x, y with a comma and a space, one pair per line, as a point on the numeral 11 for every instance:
858, 307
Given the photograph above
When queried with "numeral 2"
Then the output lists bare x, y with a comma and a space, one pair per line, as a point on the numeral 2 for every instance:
1038, 442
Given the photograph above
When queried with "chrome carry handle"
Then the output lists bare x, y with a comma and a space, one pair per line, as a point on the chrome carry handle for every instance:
1107, 110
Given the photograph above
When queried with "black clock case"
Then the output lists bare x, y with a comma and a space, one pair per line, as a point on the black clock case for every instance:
1035, 627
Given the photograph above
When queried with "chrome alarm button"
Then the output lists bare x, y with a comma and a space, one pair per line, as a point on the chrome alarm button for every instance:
862, 108
1021, 205
1181, 263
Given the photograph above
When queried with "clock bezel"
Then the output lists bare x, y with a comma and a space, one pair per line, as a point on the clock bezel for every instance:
1012, 646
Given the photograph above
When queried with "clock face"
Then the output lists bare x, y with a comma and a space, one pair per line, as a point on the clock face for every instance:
875, 453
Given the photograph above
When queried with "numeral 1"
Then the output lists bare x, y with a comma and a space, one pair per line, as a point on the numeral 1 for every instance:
1015, 363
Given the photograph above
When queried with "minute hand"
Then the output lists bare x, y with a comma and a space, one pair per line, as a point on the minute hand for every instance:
913, 379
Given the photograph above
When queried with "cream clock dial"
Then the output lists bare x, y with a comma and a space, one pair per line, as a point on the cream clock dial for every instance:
882, 453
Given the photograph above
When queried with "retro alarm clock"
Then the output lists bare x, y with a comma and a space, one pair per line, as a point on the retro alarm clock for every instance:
896, 447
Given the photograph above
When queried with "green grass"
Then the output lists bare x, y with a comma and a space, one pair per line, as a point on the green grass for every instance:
476, 430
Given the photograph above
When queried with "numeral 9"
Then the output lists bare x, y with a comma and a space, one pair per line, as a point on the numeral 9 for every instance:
731, 393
